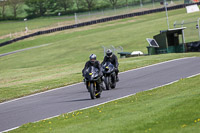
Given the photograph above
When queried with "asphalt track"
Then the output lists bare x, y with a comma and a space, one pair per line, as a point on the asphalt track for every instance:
66, 99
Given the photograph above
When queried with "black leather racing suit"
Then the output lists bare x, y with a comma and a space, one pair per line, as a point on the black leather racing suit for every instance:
113, 59
97, 65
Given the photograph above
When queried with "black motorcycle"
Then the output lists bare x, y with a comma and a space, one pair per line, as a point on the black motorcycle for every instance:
92, 82
109, 75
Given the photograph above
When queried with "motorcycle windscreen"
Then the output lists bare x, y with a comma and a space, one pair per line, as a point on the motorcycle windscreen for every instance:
92, 73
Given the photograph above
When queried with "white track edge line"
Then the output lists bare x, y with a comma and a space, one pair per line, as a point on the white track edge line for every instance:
9, 129
107, 101
82, 82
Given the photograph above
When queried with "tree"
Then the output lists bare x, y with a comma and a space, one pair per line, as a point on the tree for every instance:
65, 4
79, 3
3, 4
113, 3
52, 5
15, 4
90, 4
36, 7
126, 2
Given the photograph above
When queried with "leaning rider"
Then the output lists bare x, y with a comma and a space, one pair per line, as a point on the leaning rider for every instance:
110, 57
93, 62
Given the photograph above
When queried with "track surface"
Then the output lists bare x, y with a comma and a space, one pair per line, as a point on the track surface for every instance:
66, 99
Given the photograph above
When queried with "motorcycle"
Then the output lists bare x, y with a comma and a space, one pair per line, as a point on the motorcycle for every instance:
109, 75
92, 82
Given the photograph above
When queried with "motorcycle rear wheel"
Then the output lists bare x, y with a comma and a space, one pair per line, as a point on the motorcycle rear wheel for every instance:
107, 83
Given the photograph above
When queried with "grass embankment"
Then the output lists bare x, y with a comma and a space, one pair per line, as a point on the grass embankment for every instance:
7, 27
169, 109
17, 28
61, 62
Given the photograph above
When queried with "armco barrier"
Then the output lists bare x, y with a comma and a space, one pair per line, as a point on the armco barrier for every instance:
96, 22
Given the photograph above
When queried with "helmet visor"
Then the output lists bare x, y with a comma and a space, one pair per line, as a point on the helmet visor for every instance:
109, 54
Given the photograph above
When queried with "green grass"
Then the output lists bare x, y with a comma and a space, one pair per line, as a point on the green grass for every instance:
4, 40
61, 62
169, 109
7, 27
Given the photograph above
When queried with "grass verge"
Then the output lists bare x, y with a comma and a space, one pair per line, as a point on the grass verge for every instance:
170, 109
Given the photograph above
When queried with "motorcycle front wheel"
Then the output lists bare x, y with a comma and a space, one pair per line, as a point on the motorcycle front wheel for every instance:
92, 90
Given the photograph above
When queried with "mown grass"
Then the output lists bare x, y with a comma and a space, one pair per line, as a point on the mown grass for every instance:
60, 63
4, 40
7, 27
18, 26
170, 109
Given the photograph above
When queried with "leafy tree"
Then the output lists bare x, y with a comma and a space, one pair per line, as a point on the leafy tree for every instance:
65, 4
36, 7
126, 2
15, 4
3, 4
90, 4
79, 3
52, 6
113, 3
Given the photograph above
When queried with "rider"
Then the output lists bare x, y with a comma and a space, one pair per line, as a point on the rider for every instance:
113, 59
93, 62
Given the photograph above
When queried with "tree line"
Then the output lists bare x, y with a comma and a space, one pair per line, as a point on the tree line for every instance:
37, 8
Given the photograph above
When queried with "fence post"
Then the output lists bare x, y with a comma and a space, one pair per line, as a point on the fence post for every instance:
153, 4
104, 50
113, 48
122, 49
182, 23
175, 24
102, 13
198, 27
75, 16
141, 5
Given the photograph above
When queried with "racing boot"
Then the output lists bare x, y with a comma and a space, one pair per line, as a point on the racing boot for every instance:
99, 90
117, 78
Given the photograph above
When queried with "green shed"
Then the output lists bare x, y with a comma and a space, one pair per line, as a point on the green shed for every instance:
170, 41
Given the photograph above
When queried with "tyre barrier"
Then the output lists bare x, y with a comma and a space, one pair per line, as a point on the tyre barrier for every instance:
96, 22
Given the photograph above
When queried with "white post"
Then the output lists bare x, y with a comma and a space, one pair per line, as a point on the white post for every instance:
104, 50
198, 27
166, 13
183, 34
115, 11
141, 5
113, 49
175, 24
102, 13
90, 16
153, 4
76, 22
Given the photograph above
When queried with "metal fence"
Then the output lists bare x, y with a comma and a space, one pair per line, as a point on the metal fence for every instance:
192, 31
102, 20
115, 50
141, 5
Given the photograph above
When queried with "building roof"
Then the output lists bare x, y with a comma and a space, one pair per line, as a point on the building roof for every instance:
173, 30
